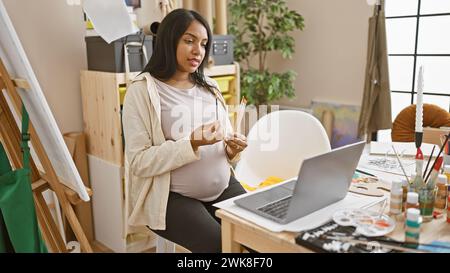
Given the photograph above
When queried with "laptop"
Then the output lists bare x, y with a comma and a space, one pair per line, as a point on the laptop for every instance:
323, 180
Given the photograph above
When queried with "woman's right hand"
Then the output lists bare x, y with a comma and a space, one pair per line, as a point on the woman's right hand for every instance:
206, 134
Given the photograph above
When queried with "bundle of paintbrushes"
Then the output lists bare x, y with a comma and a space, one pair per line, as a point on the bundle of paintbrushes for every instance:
423, 179
428, 177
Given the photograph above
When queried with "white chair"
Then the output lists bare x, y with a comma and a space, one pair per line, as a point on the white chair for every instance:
277, 145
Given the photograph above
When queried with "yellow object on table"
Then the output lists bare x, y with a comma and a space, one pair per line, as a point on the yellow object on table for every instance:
271, 180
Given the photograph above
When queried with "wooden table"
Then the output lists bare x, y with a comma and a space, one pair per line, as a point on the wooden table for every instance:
238, 232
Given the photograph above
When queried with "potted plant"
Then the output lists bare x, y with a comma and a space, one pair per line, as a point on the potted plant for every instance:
260, 27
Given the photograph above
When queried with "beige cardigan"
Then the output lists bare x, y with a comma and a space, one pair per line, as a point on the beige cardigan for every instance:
149, 158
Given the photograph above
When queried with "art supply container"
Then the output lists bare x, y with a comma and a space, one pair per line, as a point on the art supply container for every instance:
447, 159
447, 171
441, 195
426, 203
448, 202
412, 230
396, 202
412, 201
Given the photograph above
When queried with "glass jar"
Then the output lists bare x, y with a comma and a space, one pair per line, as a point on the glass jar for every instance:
426, 202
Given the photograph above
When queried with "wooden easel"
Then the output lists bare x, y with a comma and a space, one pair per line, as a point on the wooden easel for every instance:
11, 135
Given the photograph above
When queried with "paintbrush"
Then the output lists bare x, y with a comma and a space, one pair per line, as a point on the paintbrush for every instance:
429, 159
434, 173
401, 165
439, 154
382, 208
241, 112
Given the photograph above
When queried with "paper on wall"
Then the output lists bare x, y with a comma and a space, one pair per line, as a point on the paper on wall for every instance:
110, 18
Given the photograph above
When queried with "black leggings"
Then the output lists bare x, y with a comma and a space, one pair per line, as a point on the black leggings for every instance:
192, 224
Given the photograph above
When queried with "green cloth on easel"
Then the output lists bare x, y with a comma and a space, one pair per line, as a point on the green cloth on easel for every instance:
19, 230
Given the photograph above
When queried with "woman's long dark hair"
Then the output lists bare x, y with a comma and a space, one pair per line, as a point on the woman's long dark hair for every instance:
163, 62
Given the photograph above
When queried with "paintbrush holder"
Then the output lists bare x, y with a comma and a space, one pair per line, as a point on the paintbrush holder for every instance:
446, 159
426, 202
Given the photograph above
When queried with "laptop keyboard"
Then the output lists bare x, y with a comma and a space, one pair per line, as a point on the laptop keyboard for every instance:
278, 208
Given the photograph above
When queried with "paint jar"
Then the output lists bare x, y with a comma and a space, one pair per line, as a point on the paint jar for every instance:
417, 183
412, 230
396, 198
405, 188
448, 207
441, 194
447, 172
426, 203
412, 200
447, 159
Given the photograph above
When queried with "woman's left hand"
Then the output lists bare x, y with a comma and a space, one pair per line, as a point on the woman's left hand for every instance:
236, 143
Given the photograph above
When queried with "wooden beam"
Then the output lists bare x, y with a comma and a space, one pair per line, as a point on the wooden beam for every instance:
2, 84
72, 195
52, 232
40, 185
19, 83
11, 136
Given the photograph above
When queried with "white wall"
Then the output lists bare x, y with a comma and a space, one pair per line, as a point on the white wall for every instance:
148, 12
52, 34
330, 53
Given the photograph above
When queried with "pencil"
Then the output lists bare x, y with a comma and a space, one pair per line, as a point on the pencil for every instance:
366, 173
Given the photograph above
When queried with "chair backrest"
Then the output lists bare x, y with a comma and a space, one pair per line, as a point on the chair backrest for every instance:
278, 143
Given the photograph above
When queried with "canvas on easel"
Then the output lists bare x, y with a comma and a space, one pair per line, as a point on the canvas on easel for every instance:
59, 172
41, 181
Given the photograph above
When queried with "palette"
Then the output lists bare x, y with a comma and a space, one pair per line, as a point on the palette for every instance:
369, 186
367, 223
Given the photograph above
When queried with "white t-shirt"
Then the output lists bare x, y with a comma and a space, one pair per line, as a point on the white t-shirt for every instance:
182, 111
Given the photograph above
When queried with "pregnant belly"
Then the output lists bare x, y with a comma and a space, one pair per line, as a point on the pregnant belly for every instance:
204, 179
